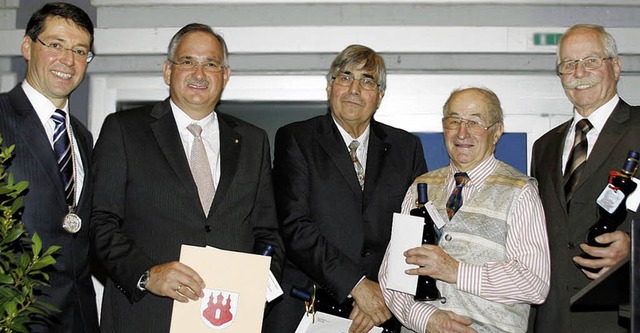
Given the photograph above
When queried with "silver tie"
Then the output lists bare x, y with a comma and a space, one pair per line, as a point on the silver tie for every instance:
353, 148
200, 169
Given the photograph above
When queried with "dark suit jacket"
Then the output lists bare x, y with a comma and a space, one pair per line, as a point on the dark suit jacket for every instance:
71, 289
334, 232
146, 205
567, 229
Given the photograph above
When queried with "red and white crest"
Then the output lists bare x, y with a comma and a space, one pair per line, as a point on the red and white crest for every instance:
218, 308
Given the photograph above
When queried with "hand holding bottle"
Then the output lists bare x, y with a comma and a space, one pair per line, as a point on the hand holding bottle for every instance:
612, 211
619, 249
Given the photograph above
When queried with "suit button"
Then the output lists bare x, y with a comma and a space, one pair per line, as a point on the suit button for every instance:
365, 253
207, 228
571, 246
447, 237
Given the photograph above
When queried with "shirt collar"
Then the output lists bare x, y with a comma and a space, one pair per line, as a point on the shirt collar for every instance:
478, 174
363, 139
183, 120
43, 106
599, 117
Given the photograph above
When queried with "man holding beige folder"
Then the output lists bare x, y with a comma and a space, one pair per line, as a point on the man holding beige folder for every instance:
178, 173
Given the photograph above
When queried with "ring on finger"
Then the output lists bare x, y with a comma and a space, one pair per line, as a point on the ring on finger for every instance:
178, 289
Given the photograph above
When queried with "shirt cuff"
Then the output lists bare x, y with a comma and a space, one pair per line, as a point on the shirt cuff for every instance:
354, 287
470, 278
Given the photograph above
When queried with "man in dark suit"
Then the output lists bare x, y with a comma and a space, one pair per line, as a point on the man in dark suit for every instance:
336, 198
153, 194
57, 47
589, 68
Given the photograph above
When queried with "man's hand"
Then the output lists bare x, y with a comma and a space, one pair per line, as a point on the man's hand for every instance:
368, 299
361, 323
614, 253
175, 280
434, 262
448, 322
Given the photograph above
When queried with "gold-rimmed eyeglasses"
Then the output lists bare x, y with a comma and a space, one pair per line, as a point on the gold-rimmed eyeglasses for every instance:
345, 80
189, 65
589, 63
80, 52
473, 127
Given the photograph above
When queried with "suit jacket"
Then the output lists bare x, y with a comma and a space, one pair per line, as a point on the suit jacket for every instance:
71, 289
567, 229
146, 205
334, 232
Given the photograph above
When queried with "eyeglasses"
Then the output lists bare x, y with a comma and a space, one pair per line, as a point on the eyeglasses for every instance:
589, 63
207, 66
473, 127
345, 80
79, 52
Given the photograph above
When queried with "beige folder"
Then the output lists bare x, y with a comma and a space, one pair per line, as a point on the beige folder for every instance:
235, 291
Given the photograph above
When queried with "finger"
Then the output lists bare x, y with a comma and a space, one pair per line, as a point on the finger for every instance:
176, 293
611, 237
188, 291
589, 263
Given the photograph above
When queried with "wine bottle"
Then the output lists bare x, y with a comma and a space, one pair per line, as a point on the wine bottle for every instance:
426, 289
612, 208
324, 303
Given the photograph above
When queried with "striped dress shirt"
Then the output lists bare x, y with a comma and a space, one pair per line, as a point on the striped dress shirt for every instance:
522, 278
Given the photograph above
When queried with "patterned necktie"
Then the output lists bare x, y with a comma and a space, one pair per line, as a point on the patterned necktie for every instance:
62, 150
577, 158
455, 199
200, 169
353, 148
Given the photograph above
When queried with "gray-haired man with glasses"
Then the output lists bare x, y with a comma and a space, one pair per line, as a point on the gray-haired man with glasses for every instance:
338, 179
589, 69
492, 260
178, 172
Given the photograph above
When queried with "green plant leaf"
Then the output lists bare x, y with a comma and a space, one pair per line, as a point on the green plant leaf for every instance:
51, 250
6, 279
36, 244
13, 235
43, 262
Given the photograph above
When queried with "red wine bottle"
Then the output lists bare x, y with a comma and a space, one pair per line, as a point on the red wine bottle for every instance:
612, 208
426, 289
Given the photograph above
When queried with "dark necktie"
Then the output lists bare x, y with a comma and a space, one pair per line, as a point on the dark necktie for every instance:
455, 199
200, 169
353, 148
62, 150
577, 158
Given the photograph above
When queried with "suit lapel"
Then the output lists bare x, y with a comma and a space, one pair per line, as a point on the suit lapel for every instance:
230, 144
376, 158
85, 156
165, 130
331, 141
556, 168
35, 138
611, 134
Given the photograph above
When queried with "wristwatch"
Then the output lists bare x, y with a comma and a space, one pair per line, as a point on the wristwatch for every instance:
144, 279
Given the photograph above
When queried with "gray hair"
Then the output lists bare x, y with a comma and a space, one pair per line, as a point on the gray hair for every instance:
359, 57
175, 40
492, 100
607, 40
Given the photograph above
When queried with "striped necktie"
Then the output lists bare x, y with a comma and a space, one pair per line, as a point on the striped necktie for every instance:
62, 150
577, 158
353, 149
200, 169
455, 199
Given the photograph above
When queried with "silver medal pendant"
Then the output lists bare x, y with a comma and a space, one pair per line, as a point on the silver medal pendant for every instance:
72, 223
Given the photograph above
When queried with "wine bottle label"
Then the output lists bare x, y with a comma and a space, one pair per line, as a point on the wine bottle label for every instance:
610, 198
435, 216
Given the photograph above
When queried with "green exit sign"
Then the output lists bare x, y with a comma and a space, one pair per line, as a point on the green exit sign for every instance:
543, 38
